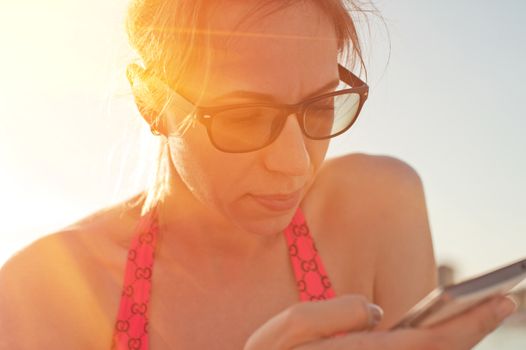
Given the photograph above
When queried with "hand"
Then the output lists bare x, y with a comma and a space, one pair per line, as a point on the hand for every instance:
309, 322
309, 326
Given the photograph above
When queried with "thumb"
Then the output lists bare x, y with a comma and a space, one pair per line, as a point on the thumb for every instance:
310, 321
362, 315
345, 313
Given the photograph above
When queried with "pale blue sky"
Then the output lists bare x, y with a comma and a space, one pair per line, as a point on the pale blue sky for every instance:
448, 103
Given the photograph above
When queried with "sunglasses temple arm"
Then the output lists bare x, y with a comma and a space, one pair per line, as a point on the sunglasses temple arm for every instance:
349, 78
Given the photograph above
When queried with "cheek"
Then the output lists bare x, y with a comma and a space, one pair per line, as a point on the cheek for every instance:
220, 180
317, 151
212, 177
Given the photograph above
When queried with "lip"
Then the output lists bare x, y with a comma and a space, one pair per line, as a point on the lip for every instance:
278, 202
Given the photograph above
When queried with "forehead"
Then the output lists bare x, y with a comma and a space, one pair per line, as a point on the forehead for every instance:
272, 48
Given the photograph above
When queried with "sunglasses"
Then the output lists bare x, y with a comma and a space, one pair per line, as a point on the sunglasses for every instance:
247, 127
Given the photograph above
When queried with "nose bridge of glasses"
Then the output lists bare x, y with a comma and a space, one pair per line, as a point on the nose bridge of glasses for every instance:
291, 116
296, 112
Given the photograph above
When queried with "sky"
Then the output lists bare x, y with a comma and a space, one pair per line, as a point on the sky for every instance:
446, 91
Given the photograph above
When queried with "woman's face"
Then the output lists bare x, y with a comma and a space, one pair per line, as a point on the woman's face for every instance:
288, 54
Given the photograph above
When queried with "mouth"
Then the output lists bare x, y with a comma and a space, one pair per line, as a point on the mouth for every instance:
278, 202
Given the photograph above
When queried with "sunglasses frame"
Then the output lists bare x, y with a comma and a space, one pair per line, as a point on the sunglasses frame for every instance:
205, 114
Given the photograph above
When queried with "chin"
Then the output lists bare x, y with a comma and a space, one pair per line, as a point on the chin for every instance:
267, 225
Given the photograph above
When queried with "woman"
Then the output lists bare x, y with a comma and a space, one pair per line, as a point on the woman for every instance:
244, 96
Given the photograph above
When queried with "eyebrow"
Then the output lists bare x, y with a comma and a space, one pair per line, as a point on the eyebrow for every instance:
253, 95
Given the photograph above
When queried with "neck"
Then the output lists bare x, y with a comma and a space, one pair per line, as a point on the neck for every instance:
196, 234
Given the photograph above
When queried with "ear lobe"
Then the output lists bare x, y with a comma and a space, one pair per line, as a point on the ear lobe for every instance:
144, 99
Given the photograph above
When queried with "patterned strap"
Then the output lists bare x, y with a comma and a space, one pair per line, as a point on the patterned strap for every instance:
131, 327
313, 282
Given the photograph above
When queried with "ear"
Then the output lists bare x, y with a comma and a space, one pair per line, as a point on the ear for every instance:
146, 98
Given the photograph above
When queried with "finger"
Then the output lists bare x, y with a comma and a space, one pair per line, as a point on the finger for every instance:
407, 339
308, 321
477, 322
345, 313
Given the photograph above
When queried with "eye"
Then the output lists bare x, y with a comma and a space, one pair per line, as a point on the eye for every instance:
243, 115
239, 120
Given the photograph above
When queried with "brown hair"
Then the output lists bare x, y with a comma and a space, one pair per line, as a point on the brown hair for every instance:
155, 26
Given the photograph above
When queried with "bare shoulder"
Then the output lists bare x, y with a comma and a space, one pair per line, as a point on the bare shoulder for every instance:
366, 170
58, 292
360, 188
374, 206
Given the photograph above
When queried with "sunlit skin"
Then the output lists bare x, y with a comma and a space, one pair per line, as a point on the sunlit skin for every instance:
223, 268
220, 245
215, 189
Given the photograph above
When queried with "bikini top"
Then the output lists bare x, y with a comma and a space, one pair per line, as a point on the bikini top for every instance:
131, 327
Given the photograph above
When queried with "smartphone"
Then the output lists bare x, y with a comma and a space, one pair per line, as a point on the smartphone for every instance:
445, 302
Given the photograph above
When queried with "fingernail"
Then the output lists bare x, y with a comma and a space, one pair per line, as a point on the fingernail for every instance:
506, 307
376, 313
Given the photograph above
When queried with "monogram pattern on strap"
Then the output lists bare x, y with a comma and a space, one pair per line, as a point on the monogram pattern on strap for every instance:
131, 326
313, 282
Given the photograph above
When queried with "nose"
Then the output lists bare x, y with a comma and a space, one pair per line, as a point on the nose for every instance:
288, 154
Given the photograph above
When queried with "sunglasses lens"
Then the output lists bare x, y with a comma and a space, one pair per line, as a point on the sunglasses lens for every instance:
245, 129
332, 115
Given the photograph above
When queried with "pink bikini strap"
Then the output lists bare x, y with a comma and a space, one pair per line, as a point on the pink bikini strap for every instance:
131, 327
313, 282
